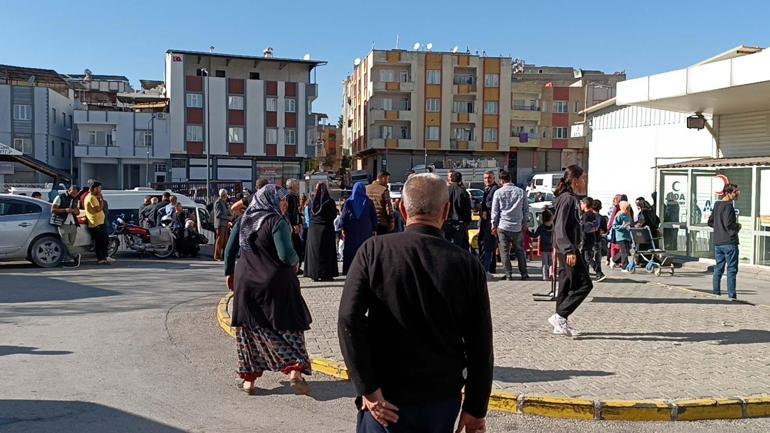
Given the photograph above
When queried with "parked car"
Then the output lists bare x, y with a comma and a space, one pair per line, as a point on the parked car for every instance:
26, 233
473, 233
394, 189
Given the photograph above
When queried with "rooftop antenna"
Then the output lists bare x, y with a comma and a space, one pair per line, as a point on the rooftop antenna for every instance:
467, 49
429, 46
454, 50
416, 46
211, 49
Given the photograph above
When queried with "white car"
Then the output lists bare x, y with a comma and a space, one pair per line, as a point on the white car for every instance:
26, 233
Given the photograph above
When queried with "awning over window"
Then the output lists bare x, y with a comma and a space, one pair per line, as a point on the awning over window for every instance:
721, 162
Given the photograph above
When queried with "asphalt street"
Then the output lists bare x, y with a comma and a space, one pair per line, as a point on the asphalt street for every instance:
135, 348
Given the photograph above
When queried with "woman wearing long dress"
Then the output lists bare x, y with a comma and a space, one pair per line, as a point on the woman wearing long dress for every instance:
359, 222
320, 251
269, 312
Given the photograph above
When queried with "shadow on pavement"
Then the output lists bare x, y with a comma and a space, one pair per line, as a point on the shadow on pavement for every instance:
702, 301
526, 375
26, 350
21, 289
48, 416
741, 336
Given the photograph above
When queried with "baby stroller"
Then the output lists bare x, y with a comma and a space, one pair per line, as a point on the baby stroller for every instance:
647, 253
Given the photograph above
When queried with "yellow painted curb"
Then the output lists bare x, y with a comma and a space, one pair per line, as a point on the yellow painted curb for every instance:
574, 408
758, 406
325, 366
718, 408
557, 407
503, 402
635, 410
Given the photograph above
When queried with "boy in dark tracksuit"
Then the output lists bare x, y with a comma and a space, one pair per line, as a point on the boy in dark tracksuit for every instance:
545, 233
591, 245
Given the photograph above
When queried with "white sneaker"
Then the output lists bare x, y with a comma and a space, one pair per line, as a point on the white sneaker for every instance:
559, 325
612, 264
624, 270
572, 331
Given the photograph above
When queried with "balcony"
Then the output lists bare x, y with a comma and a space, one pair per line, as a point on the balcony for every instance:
382, 143
455, 144
465, 89
393, 86
531, 142
464, 117
525, 115
83, 150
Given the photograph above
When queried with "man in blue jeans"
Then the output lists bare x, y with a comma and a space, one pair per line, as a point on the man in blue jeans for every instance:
509, 215
726, 229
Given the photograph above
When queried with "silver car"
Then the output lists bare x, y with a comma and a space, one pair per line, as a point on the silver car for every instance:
26, 233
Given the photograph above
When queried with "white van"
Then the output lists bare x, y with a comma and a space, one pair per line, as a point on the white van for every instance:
545, 182
127, 204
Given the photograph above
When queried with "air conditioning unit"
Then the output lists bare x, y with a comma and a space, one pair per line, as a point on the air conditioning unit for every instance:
161, 116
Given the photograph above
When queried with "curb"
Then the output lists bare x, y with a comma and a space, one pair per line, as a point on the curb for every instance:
756, 406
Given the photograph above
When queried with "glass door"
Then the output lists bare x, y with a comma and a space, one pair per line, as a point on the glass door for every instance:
673, 208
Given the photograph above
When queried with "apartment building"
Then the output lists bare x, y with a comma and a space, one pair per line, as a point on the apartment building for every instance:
35, 119
546, 102
406, 108
252, 115
329, 152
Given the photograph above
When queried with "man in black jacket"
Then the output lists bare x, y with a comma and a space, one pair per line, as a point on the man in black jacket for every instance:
414, 314
456, 225
487, 241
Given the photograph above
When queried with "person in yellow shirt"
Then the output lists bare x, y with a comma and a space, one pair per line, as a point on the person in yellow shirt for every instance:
95, 214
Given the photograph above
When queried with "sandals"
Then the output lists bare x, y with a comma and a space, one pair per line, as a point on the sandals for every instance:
249, 391
300, 386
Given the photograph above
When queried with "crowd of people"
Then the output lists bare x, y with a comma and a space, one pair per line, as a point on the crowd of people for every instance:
414, 295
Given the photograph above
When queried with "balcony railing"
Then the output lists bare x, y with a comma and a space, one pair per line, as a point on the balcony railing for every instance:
526, 107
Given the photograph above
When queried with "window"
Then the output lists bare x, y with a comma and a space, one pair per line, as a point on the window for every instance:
194, 133
271, 104
404, 132
99, 138
62, 148
23, 112
235, 102
271, 136
491, 80
53, 116
433, 105
14, 207
387, 104
545, 132
463, 134
23, 145
178, 163
433, 76
386, 131
291, 136
220, 73
464, 79
235, 135
160, 167
70, 121
53, 148
386, 75
560, 107
143, 138
64, 120
432, 133
403, 76
490, 135
560, 133
194, 100
291, 105
113, 85
253, 75
577, 106
490, 107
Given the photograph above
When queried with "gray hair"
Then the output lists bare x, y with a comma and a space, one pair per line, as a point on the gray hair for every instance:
222, 193
424, 194
291, 183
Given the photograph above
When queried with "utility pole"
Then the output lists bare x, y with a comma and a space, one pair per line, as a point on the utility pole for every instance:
208, 155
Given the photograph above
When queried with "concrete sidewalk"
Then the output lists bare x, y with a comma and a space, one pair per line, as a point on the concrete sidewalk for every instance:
753, 282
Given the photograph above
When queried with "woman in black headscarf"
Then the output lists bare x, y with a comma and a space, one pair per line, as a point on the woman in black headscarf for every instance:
269, 312
320, 251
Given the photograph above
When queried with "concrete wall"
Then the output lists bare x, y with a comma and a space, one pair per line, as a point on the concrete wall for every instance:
625, 142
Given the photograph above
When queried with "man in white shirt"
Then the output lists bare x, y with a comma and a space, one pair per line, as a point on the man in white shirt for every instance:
64, 213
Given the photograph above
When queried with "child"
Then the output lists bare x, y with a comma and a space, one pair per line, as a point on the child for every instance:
602, 244
591, 222
545, 233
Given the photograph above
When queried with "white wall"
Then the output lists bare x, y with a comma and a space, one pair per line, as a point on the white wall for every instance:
217, 104
255, 117
281, 101
624, 145
175, 86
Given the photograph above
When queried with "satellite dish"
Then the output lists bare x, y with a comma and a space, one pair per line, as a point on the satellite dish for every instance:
31, 80
429, 46
454, 50
416, 46
357, 61
306, 56
87, 72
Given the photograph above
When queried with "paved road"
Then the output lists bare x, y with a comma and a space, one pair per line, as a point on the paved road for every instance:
135, 347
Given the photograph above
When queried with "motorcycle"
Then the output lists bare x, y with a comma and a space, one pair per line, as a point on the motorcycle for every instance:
158, 241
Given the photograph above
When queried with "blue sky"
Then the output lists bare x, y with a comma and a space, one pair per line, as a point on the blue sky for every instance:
130, 37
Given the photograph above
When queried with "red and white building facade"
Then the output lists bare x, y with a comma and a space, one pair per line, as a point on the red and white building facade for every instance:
253, 114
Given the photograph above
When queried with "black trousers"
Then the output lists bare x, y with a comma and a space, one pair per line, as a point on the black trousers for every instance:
101, 241
574, 285
299, 246
456, 233
435, 417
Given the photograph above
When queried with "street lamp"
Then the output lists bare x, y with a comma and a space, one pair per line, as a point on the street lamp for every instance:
151, 128
205, 73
